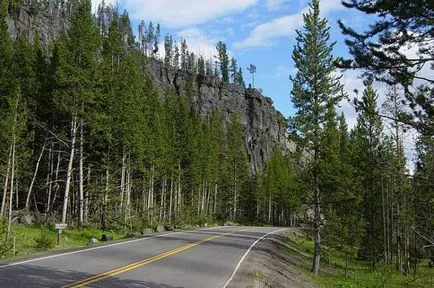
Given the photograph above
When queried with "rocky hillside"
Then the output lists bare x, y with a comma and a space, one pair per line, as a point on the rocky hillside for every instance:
264, 126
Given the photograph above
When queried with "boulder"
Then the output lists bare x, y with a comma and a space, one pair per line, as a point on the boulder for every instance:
106, 237
187, 227
147, 231
92, 241
160, 228
27, 219
168, 227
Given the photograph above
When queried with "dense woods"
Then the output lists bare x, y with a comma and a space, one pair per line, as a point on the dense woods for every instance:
88, 139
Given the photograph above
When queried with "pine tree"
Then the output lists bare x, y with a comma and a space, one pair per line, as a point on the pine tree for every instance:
315, 93
382, 52
75, 75
223, 59
233, 71
368, 139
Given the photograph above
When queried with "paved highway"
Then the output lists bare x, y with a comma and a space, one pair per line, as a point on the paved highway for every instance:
203, 258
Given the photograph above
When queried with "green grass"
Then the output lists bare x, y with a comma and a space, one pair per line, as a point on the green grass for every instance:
27, 239
360, 273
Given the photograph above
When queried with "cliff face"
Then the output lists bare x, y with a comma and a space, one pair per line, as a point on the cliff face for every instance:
264, 126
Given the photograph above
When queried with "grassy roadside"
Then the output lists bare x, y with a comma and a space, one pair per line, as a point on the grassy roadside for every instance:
360, 273
33, 240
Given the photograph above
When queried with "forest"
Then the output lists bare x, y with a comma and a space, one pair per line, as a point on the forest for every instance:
88, 139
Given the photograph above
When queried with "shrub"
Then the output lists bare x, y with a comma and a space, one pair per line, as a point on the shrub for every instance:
45, 241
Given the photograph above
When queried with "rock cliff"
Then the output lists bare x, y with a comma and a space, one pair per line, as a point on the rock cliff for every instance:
264, 126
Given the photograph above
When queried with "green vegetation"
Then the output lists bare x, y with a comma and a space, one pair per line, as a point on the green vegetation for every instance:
34, 239
359, 273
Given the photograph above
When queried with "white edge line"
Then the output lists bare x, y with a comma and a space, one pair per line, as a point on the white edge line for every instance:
101, 247
247, 252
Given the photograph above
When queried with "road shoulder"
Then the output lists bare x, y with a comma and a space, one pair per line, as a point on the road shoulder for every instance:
269, 265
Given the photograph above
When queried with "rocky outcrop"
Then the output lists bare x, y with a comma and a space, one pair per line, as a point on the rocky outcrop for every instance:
45, 24
264, 126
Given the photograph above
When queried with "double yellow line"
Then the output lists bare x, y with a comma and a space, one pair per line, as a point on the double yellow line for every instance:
138, 264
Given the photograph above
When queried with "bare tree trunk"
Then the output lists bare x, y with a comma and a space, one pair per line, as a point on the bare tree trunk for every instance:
128, 194
171, 199
81, 177
5, 189
34, 177
215, 198
105, 199
270, 208
317, 234
69, 171
12, 186
56, 185
179, 197
121, 205
86, 198
49, 183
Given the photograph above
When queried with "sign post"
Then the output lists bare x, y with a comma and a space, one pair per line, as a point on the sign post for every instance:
59, 228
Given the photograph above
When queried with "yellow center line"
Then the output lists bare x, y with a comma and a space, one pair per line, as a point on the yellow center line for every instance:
149, 260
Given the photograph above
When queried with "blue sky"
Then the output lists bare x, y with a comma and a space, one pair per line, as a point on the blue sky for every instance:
259, 32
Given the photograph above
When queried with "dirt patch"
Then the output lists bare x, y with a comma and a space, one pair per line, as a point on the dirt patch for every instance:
273, 263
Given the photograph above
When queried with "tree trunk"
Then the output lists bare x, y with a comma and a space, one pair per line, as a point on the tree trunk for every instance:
121, 205
171, 199
6, 184
34, 177
215, 198
56, 185
317, 227
49, 183
11, 187
86, 198
128, 194
69, 171
81, 177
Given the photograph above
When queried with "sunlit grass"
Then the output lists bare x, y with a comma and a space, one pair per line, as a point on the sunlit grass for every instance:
360, 273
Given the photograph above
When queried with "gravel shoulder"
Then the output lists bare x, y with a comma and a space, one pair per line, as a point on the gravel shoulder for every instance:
274, 263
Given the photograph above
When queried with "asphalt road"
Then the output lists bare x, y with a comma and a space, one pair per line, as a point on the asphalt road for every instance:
203, 258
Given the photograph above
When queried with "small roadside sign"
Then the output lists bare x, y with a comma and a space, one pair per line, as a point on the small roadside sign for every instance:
59, 227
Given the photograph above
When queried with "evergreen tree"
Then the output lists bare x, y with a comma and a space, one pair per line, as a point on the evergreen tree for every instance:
168, 48
223, 59
252, 71
315, 93
233, 70
382, 52
367, 134
75, 81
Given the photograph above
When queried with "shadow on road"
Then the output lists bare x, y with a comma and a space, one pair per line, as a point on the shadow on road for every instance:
41, 277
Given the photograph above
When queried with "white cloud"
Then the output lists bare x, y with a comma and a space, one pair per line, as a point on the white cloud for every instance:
274, 4
264, 34
283, 72
198, 42
177, 13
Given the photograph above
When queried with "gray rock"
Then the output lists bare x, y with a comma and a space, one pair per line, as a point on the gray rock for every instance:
27, 219
160, 228
187, 226
147, 231
169, 227
92, 241
106, 237
264, 126
205, 225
